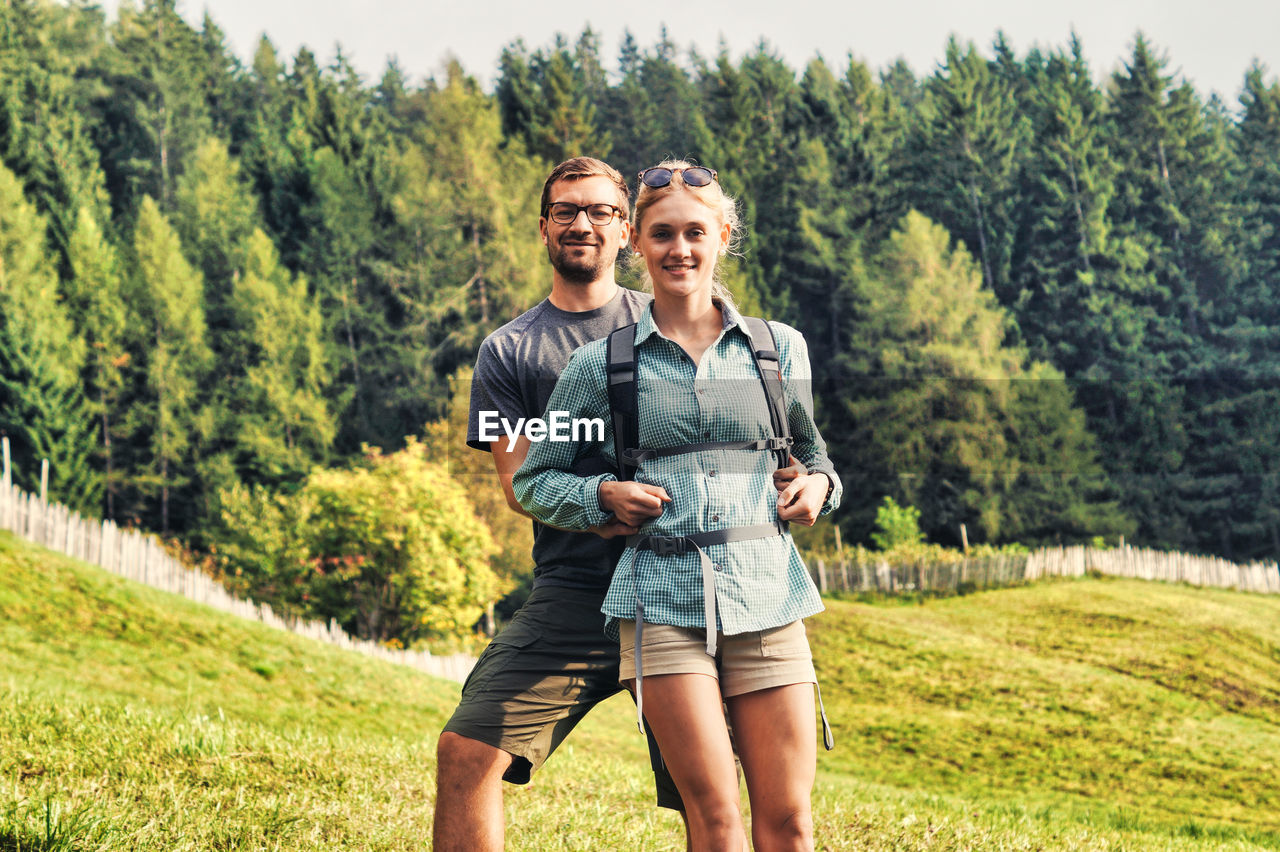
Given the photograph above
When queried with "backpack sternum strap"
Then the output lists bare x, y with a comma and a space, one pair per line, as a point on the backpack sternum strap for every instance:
634, 457
624, 402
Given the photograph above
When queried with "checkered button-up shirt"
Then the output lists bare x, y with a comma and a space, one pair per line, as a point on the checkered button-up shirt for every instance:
759, 583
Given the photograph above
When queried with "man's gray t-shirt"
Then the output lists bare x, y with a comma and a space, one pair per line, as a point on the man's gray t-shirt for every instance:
516, 371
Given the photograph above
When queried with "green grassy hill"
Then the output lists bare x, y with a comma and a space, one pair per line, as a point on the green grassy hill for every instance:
1070, 715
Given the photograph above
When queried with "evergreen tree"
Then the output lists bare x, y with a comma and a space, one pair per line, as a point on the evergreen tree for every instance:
226, 87
949, 418
42, 408
1241, 447
173, 359
548, 99
467, 213
277, 415
829, 182
214, 214
154, 112
47, 52
748, 110
95, 300
658, 113
1075, 279
1174, 160
961, 160
901, 85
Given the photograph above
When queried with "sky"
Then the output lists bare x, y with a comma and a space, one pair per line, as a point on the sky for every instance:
1209, 42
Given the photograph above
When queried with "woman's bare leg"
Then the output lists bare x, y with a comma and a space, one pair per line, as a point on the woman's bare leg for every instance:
777, 744
685, 713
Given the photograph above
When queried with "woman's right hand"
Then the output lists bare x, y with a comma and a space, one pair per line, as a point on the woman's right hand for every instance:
632, 503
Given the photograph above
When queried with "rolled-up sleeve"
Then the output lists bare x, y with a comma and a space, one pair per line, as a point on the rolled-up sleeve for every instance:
545, 484
797, 380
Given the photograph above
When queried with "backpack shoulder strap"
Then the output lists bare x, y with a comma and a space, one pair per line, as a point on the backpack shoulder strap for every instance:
624, 402
764, 349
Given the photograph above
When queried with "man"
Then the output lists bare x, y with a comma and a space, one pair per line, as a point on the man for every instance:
553, 663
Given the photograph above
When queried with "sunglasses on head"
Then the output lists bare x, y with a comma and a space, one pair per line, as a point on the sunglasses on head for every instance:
660, 176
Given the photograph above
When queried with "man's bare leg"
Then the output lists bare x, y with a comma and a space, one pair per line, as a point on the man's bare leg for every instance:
468, 812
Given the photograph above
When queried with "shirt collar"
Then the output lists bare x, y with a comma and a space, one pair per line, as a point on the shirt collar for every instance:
646, 327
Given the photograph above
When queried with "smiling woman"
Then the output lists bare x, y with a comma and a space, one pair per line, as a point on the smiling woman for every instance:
709, 596
709, 216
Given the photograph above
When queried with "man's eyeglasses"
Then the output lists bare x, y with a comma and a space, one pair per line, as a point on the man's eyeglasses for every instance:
660, 176
564, 212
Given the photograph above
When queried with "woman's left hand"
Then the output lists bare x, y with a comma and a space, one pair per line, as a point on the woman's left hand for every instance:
801, 501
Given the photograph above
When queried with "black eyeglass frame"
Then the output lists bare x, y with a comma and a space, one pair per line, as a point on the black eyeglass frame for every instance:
653, 177
614, 212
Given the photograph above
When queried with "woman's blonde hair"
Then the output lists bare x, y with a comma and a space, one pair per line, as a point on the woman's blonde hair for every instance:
712, 195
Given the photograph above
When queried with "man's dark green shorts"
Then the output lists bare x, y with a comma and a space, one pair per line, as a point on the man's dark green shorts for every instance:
539, 677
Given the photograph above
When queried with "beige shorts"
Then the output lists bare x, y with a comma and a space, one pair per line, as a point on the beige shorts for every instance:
746, 662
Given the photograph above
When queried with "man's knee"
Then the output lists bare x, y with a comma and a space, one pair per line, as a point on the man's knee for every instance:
463, 761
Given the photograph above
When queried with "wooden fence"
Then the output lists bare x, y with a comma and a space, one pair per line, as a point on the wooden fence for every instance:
140, 557
1005, 570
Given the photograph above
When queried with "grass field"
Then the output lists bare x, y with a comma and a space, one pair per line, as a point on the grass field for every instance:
1086, 714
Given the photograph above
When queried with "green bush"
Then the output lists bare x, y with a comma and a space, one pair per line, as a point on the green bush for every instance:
896, 525
392, 549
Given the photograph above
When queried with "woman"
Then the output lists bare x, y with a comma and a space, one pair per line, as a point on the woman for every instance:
683, 576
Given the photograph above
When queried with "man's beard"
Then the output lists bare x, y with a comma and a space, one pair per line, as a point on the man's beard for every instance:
575, 270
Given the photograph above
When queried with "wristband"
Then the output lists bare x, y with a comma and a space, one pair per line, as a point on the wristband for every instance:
831, 486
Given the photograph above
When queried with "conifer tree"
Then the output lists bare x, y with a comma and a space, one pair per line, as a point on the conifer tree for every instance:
549, 100
155, 111
42, 408
962, 159
1174, 161
276, 413
467, 214
95, 300
948, 417
170, 416
1240, 455
214, 214
47, 54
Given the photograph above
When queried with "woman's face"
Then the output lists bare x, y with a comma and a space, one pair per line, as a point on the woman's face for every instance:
680, 239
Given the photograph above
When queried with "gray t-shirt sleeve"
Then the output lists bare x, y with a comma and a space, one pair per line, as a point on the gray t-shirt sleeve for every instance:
494, 387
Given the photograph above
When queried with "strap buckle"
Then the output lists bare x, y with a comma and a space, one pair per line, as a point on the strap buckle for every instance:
779, 443
667, 545
633, 457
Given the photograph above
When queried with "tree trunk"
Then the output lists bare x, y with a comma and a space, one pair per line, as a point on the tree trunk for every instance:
351, 349
106, 449
982, 236
1080, 231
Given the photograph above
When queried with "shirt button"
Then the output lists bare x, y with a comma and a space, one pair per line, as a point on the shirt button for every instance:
706, 436
719, 567
715, 517
711, 473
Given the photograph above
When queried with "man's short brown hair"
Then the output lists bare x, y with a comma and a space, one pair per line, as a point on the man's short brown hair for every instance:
584, 167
